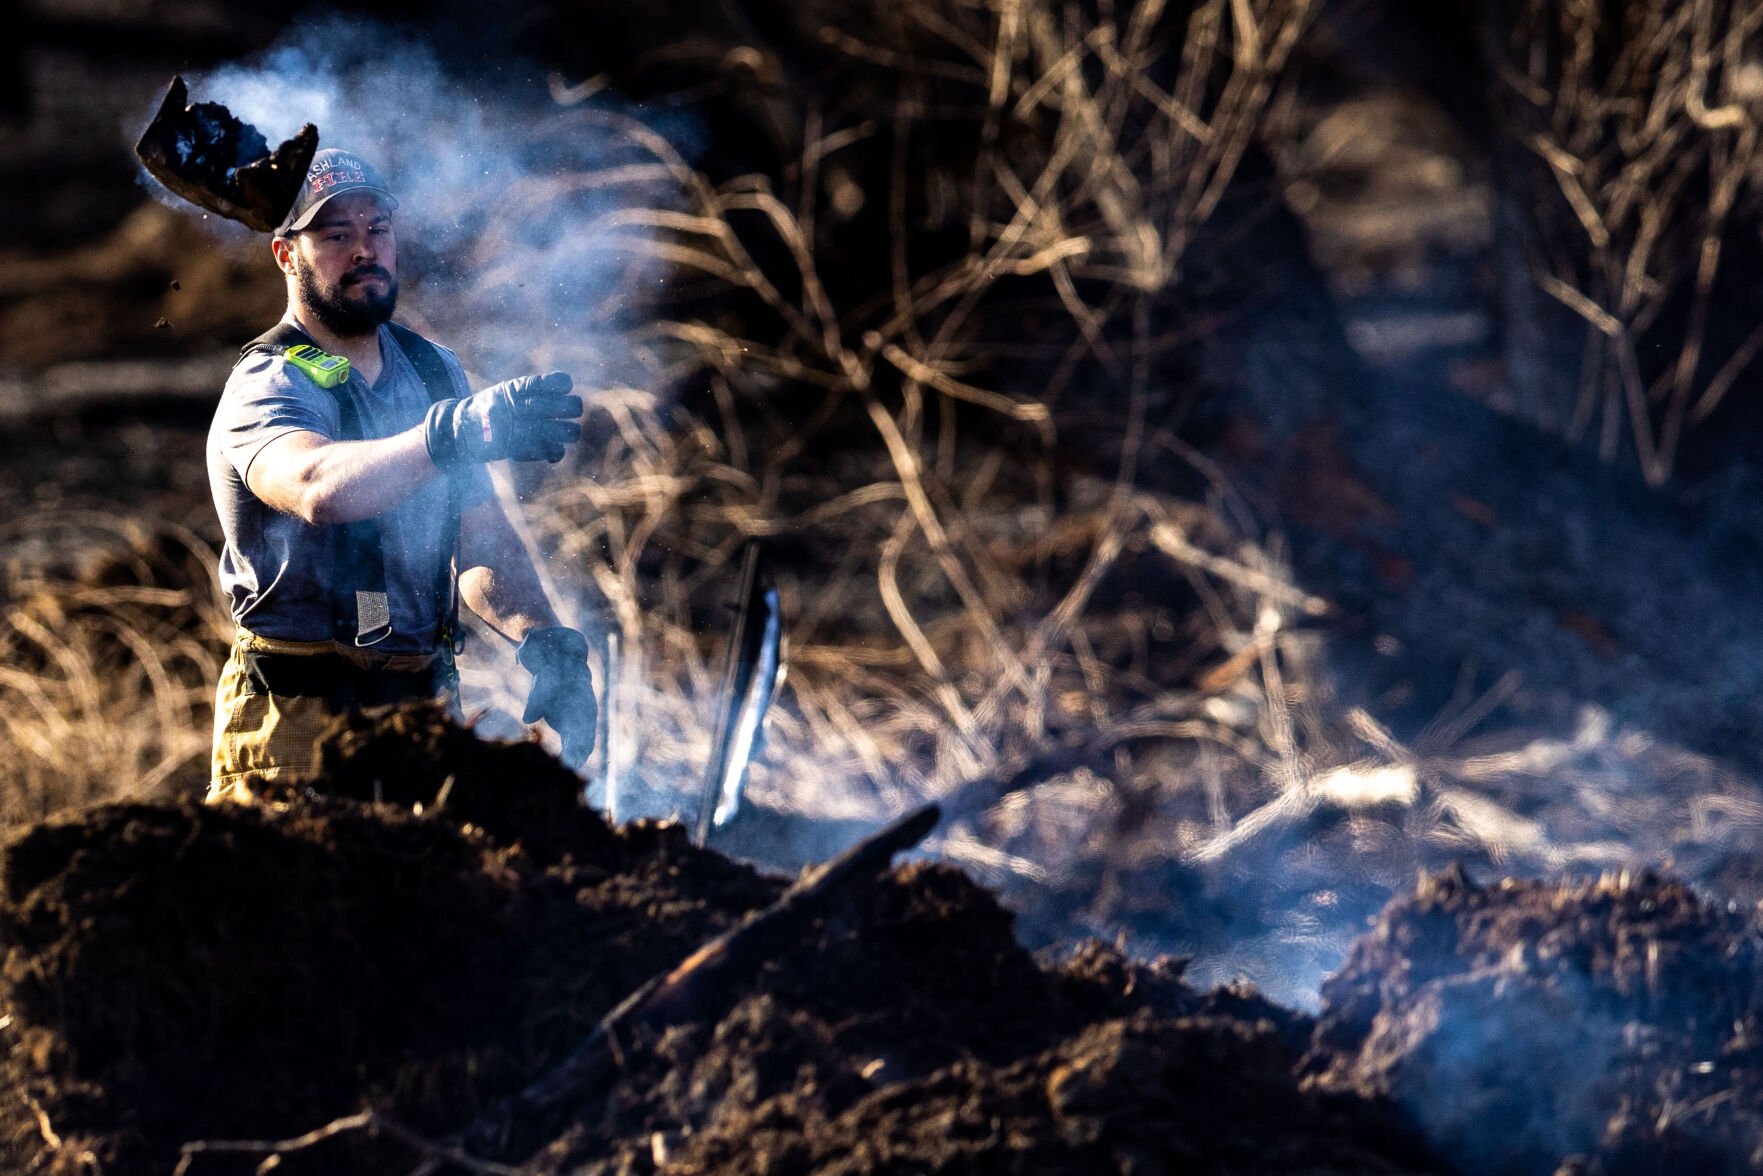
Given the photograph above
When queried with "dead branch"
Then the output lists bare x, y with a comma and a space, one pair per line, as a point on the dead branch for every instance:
709, 978
371, 1123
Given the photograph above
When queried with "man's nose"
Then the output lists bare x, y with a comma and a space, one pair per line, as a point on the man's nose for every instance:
366, 248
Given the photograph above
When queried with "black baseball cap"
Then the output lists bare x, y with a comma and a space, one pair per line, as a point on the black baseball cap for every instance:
333, 172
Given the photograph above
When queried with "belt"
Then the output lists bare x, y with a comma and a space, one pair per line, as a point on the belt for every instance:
342, 683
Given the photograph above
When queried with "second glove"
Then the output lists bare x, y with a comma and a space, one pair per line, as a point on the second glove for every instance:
563, 689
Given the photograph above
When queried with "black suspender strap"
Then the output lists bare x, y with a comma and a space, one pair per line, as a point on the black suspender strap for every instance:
437, 377
360, 606
361, 610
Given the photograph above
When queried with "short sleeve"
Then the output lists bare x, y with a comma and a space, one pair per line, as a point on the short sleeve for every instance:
265, 400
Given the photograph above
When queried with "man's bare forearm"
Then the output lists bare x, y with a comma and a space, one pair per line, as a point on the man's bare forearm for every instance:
322, 481
496, 578
509, 599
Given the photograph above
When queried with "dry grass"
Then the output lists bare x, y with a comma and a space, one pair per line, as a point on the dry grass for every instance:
1641, 121
944, 632
111, 638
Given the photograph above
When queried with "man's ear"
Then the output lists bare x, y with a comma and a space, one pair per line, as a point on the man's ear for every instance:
282, 249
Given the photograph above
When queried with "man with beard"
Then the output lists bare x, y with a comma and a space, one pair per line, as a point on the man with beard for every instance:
347, 460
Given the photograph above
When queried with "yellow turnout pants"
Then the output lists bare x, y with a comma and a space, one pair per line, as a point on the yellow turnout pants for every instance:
269, 711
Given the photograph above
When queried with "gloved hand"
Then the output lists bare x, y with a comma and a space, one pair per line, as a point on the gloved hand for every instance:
563, 688
527, 419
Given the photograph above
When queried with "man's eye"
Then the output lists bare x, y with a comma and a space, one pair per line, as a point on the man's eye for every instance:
333, 238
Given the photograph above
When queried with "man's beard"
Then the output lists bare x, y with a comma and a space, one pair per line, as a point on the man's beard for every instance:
353, 314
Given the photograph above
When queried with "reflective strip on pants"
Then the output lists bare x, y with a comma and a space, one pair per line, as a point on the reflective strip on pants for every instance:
260, 737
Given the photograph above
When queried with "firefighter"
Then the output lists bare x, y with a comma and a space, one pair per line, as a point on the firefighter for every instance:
347, 461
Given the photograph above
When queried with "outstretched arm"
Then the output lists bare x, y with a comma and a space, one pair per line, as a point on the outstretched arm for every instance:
321, 481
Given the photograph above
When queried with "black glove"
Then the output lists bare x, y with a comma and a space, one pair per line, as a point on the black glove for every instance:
563, 689
527, 419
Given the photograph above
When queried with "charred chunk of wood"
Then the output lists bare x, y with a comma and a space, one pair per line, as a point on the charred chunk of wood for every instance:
212, 159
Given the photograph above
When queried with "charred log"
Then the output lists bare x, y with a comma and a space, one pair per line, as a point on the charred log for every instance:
205, 154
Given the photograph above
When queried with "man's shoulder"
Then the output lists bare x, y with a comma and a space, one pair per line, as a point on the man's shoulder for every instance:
265, 387
285, 360
263, 361
259, 369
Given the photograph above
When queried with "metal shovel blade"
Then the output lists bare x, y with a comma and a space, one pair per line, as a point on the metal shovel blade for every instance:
209, 157
749, 679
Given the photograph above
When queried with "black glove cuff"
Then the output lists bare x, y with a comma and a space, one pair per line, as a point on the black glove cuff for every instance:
552, 648
439, 435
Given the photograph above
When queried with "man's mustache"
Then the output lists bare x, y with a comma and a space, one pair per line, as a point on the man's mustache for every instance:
367, 271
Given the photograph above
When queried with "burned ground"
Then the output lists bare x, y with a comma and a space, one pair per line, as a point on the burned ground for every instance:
179, 973
184, 954
1519, 1024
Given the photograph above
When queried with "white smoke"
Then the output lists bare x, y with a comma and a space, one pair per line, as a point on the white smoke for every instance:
508, 245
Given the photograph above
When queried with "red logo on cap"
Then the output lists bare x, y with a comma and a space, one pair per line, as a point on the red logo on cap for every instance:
335, 176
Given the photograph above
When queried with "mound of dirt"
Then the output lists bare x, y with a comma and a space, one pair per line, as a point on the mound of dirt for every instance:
415, 758
434, 922
1609, 1027
180, 972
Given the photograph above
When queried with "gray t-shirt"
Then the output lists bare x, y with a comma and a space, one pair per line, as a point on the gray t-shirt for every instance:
276, 570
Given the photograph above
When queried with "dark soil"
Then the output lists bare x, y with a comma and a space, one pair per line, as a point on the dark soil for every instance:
175, 973
182, 972
1138, 1094
1615, 1022
434, 922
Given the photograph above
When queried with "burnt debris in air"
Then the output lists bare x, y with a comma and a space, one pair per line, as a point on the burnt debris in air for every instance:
205, 154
